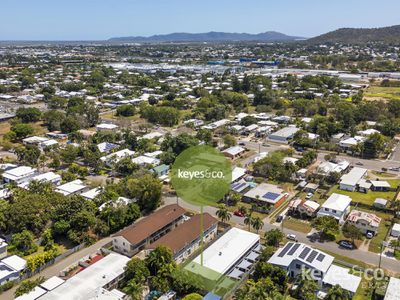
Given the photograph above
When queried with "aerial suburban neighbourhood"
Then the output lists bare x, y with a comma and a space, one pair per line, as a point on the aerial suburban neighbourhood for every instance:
94, 134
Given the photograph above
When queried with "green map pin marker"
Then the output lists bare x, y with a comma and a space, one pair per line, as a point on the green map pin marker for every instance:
201, 175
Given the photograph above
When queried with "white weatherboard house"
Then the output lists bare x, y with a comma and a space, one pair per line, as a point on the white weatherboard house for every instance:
44, 177
18, 174
337, 206
295, 257
351, 180
117, 156
71, 188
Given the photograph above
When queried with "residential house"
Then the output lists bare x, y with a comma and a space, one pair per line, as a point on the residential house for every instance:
105, 127
74, 187
117, 156
297, 258
11, 268
284, 135
266, 193
352, 180
328, 167
364, 221
50, 177
308, 208
233, 254
234, 152
380, 185
136, 237
337, 206
18, 174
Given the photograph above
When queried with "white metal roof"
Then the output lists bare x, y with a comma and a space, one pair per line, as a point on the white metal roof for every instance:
71, 187
393, 289
266, 192
235, 150
341, 276
286, 132
106, 126
144, 160
91, 194
19, 172
294, 252
52, 283
15, 262
354, 176
87, 281
228, 249
337, 202
237, 173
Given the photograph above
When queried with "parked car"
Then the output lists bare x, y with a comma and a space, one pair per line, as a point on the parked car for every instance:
346, 244
359, 163
238, 213
279, 219
292, 237
313, 236
242, 144
309, 196
369, 234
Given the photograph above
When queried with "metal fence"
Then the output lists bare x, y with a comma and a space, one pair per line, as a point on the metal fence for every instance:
28, 274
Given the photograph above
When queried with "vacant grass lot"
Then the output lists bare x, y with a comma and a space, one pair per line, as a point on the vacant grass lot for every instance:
365, 198
297, 225
387, 93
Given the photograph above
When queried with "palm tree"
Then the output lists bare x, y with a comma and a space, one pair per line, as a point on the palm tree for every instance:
248, 220
257, 224
134, 290
223, 213
242, 209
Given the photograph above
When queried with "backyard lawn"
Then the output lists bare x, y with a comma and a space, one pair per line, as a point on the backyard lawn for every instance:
364, 198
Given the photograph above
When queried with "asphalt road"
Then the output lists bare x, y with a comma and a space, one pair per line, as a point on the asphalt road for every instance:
371, 164
364, 256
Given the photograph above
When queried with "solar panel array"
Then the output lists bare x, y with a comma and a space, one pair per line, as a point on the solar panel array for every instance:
285, 250
304, 253
109, 147
271, 196
320, 257
312, 256
239, 185
294, 248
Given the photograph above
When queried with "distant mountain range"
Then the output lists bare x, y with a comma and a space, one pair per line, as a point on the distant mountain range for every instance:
360, 35
269, 36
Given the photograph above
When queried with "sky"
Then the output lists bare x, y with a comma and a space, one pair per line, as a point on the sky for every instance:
103, 19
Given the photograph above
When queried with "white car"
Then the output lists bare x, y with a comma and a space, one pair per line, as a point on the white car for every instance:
292, 237
309, 196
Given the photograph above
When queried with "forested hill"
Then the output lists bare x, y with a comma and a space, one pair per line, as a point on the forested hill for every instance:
360, 35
